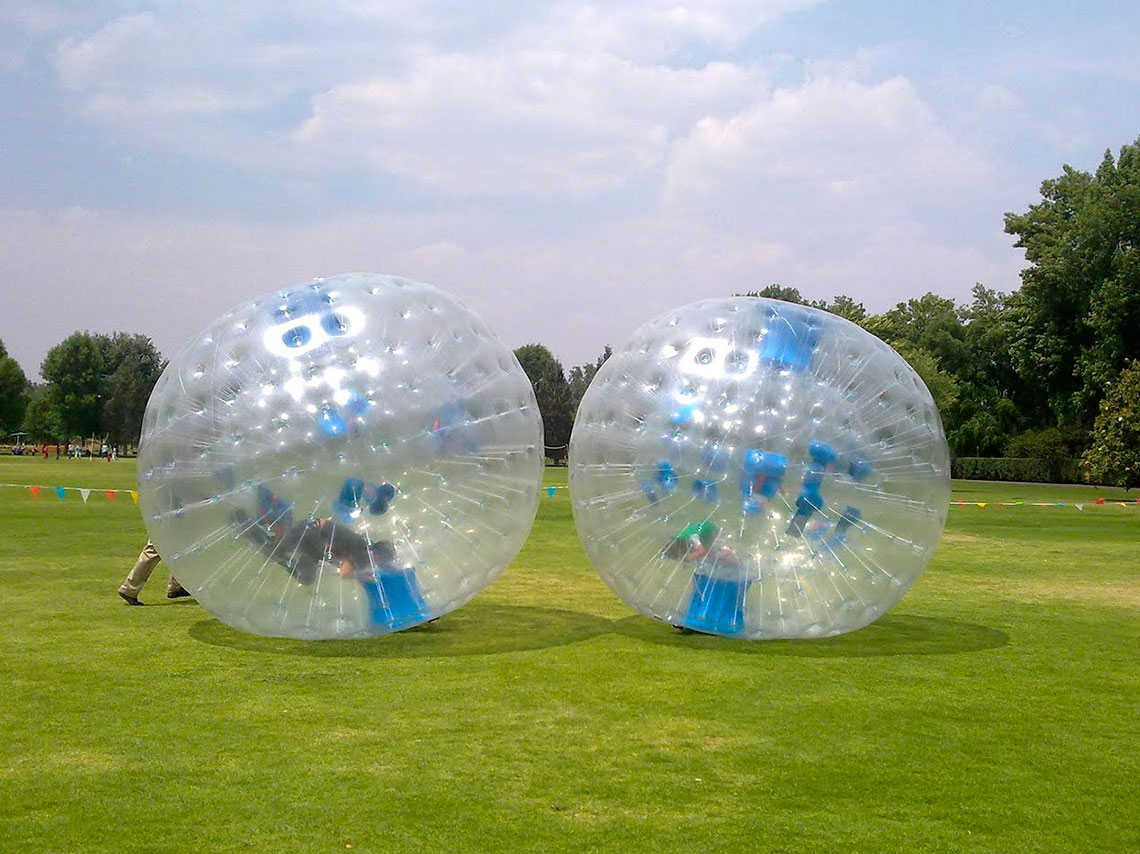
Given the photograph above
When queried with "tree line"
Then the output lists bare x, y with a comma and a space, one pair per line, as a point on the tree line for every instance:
95, 386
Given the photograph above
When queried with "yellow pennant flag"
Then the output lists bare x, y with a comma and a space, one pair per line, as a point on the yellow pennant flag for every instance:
981, 504
135, 497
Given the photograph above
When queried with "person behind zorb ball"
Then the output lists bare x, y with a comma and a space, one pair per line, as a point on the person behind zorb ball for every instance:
756, 469
348, 457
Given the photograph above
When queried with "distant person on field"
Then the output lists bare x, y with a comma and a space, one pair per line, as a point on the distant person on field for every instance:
130, 589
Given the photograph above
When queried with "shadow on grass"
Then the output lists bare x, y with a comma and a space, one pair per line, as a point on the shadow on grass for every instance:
892, 634
475, 629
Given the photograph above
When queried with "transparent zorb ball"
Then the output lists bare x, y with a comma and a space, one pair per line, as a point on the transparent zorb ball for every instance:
756, 469
347, 457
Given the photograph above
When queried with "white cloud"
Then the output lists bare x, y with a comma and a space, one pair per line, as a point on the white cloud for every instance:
656, 30
529, 121
564, 98
993, 98
98, 59
832, 153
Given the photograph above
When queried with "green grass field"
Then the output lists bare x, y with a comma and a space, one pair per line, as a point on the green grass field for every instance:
997, 708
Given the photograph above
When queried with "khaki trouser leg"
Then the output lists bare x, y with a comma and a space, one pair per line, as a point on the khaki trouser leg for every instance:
144, 566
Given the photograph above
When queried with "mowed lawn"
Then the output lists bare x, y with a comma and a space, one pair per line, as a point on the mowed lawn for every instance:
997, 708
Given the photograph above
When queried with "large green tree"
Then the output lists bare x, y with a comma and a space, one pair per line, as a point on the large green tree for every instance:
929, 323
14, 393
1077, 315
74, 371
133, 366
99, 384
553, 395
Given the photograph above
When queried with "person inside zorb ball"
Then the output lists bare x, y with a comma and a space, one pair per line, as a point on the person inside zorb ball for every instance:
348, 457
757, 469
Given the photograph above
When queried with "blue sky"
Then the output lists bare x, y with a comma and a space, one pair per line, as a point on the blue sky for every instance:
568, 169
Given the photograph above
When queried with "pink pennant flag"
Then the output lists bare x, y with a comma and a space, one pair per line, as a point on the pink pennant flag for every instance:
35, 491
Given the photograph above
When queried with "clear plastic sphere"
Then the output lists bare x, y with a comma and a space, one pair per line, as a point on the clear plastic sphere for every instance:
756, 469
349, 457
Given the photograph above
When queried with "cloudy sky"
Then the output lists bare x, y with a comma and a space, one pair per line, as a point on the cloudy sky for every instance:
568, 169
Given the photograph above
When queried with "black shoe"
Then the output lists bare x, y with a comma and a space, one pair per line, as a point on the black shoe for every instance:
178, 594
130, 600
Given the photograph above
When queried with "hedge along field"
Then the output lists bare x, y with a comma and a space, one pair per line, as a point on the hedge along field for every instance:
995, 709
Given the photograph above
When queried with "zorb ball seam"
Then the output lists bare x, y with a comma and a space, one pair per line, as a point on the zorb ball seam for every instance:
348, 457
756, 469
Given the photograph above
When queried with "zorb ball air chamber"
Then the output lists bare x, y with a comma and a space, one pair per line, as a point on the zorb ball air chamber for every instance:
348, 457
751, 468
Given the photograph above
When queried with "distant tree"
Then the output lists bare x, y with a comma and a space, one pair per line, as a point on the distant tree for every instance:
930, 323
580, 378
987, 334
942, 384
74, 370
980, 424
41, 419
844, 306
134, 366
553, 395
775, 291
1078, 311
994, 404
984, 434
1046, 443
100, 384
14, 393
1113, 458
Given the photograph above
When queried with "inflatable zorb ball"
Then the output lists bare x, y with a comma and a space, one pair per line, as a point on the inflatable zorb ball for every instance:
348, 457
755, 469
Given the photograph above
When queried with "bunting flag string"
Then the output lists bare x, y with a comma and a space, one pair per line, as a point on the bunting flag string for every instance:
85, 494
1080, 505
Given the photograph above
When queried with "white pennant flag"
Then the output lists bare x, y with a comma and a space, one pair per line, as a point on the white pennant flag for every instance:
85, 493
1080, 507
